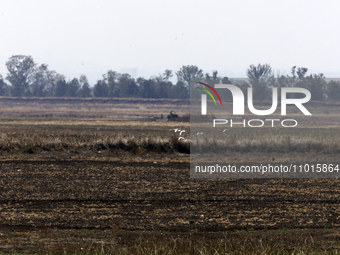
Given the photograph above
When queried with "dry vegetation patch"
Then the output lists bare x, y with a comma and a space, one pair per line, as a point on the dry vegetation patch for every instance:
107, 178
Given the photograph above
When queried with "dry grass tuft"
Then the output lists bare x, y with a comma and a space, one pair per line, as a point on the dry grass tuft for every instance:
134, 142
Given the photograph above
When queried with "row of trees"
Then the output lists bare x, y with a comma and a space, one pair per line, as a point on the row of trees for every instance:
25, 78
262, 78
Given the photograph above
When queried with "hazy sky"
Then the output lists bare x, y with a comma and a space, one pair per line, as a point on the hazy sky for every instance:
77, 37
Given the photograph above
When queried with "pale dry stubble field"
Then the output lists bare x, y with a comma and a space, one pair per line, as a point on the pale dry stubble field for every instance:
102, 172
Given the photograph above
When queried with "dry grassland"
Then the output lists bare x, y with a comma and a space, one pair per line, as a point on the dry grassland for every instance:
107, 177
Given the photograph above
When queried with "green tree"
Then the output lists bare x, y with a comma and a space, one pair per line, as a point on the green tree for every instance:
72, 88
44, 81
4, 90
51, 82
316, 84
132, 89
111, 79
100, 89
163, 89
333, 90
41, 78
147, 88
167, 75
127, 86
85, 90
189, 74
212, 79
225, 80
60, 88
21, 70
261, 78
301, 72
180, 91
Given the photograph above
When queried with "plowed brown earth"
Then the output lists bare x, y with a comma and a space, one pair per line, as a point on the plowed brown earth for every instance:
61, 183
157, 195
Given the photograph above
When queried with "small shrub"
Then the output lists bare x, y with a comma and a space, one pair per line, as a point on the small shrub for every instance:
180, 146
28, 149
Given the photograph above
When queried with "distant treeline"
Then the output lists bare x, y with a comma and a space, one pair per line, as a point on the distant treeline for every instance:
25, 78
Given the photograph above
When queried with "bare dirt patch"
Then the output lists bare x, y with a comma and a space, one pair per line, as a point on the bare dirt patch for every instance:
60, 180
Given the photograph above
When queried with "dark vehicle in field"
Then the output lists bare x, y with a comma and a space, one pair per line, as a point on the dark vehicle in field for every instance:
172, 116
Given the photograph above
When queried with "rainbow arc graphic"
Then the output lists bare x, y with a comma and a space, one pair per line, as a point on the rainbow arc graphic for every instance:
209, 93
